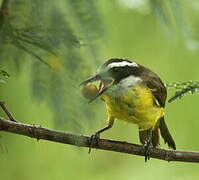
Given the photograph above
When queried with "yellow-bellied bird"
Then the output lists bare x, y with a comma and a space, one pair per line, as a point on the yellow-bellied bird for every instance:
135, 94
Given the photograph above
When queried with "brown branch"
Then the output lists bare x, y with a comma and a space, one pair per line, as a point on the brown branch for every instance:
39, 132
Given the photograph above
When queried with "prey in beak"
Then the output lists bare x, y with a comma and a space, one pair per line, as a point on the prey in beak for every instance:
105, 83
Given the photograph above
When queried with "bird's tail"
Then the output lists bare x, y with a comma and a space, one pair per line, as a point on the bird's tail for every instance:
164, 131
160, 128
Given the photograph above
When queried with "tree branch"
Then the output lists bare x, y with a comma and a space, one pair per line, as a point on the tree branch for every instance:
38, 132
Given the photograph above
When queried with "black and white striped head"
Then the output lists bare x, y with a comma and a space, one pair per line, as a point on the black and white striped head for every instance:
119, 69
116, 71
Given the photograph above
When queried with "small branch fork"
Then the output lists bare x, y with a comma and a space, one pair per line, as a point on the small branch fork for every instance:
39, 132
8, 113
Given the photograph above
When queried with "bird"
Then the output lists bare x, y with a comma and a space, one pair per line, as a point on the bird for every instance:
135, 94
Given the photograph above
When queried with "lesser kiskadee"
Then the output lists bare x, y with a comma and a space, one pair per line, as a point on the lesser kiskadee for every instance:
135, 94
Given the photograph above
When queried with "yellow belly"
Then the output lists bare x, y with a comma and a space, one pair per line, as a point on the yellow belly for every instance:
136, 105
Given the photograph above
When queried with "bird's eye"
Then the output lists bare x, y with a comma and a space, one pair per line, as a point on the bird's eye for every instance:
116, 69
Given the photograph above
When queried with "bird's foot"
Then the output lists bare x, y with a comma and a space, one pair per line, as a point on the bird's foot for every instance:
147, 148
94, 140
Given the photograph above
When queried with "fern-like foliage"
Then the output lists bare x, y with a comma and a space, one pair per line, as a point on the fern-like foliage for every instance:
52, 34
64, 36
167, 11
170, 13
183, 88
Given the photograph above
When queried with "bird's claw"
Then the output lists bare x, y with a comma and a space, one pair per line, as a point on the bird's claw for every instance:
147, 150
94, 140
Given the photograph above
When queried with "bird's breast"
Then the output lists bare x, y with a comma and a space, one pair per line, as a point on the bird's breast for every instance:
135, 105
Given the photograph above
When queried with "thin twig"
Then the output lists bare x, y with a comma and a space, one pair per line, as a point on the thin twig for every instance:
19, 45
36, 44
39, 132
8, 113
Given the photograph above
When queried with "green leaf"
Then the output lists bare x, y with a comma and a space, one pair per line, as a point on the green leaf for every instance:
3, 76
183, 88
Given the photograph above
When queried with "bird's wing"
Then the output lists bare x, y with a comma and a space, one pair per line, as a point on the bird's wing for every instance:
153, 82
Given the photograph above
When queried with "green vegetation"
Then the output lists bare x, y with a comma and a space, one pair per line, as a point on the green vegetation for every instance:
49, 47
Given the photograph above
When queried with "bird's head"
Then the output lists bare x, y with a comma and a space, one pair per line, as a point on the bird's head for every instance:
115, 71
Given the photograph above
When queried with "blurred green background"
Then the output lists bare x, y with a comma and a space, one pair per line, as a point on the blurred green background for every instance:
74, 37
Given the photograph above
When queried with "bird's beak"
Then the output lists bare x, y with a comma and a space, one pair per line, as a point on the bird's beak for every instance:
105, 83
91, 79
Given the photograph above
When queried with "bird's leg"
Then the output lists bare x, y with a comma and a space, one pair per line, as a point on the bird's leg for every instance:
94, 139
8, 113
148, 145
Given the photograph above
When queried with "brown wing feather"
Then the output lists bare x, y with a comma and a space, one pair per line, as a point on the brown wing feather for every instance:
153, 82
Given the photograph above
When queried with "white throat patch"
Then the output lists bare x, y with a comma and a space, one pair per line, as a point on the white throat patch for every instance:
124, 85
129, 81
121, 64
